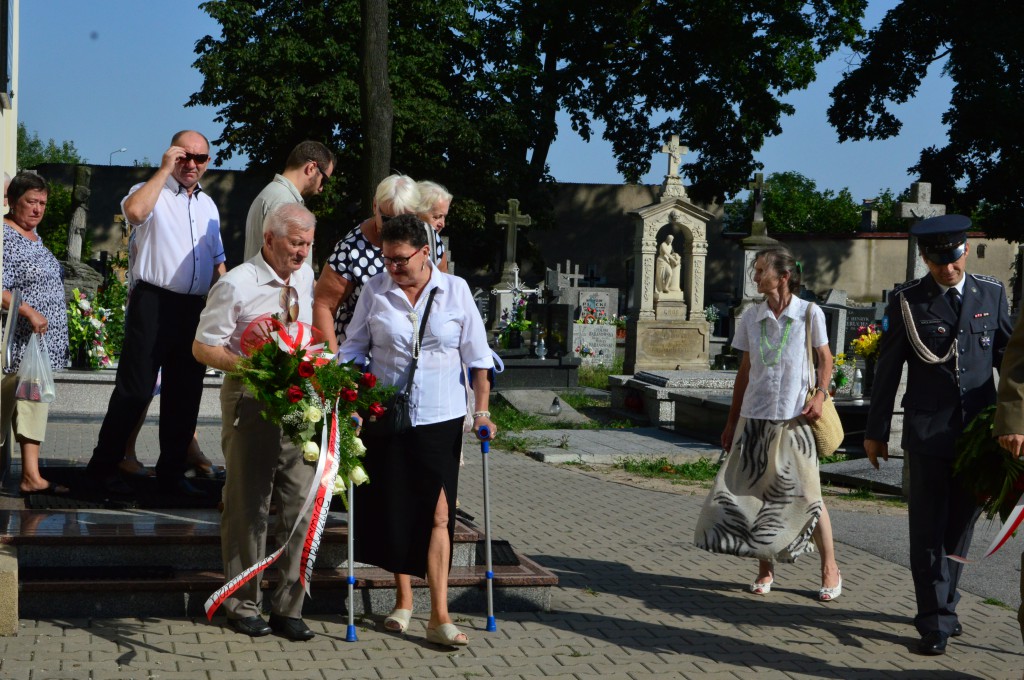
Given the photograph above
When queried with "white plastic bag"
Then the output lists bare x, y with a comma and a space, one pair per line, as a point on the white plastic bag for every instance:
35, 375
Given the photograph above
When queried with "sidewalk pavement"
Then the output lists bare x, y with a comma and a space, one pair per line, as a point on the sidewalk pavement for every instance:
635, 600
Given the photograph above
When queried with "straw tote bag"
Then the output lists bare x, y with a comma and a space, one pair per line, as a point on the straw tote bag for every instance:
828, 430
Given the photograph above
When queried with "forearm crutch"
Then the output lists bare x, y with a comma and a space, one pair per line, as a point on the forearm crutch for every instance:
350, 634
485, 448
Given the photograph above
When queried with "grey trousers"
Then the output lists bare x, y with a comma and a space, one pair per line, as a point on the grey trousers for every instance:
262, 467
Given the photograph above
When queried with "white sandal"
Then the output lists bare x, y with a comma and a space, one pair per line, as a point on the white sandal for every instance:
829, 594
398, 620
762, 588
448, 635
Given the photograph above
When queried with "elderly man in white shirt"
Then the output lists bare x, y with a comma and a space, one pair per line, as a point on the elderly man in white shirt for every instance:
407, 512
179, 256
263, 464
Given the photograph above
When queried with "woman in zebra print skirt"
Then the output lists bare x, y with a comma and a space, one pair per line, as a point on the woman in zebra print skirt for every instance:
766, 501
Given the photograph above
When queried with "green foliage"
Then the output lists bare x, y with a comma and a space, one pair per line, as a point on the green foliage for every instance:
700, 470
980, 47
112, 296
596, 375
54, 227
32, 151
986, 469
793, 204
510, 419
87, 329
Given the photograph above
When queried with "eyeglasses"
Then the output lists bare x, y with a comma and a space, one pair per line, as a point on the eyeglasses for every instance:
290, 304
324, 177
398, 261
199, 158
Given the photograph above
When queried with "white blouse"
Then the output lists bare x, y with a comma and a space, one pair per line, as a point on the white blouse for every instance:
777, 391
382, 328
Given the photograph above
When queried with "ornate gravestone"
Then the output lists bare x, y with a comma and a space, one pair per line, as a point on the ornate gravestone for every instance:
758, 240
920, 207
511, 220
669, 333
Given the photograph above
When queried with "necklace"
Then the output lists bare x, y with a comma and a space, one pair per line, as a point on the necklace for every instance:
765, 343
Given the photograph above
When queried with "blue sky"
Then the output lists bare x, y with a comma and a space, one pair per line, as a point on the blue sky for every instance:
108, 74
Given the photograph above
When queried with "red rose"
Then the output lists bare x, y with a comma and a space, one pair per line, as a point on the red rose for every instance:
306, 369
377, 409
349, 394
294, 393
368, 380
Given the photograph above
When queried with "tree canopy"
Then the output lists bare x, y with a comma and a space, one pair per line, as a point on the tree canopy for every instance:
980, 46
32, 151
476, 85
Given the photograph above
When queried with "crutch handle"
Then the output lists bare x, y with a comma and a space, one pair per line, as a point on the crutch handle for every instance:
485, 436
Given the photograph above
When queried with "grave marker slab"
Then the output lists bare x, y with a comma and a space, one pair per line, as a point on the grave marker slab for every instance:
599, 338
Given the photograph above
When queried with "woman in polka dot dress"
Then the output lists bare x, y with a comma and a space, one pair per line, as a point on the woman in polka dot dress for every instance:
357, 258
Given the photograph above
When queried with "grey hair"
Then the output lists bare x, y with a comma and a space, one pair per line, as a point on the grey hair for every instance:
431, 193
781, 261
397, 195
283, 217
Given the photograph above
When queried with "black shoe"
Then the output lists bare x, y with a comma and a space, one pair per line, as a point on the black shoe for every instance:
958, 630
112, 484
182, 487
293, 629
253, 626
933, 643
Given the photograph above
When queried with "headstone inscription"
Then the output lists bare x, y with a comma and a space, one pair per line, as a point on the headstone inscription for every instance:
596, 304
858, 318
594, 343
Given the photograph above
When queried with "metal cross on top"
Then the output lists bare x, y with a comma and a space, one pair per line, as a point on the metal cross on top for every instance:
511, 220
516, 287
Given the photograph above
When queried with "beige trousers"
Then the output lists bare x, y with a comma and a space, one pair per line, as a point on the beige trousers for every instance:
262, 467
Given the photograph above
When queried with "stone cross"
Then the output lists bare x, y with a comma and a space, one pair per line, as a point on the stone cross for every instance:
919, 207
511, 220
757, 186
673, 186
572, 278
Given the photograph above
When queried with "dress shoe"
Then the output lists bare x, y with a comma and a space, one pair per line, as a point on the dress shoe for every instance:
112, 484
958, 630
253, 626
293, 629
182, 487
933, 643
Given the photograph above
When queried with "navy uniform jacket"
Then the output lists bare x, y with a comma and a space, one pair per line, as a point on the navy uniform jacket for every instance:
937, 404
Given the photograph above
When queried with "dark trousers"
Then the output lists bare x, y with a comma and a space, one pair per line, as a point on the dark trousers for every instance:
159, 329
942, 516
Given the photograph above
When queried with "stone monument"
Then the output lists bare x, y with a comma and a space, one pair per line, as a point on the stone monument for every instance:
668, 330
511, 220
79, 209
919, 207
758, 240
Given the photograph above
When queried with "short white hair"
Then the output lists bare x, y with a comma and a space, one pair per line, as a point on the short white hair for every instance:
397, 195
431, 193
285, 216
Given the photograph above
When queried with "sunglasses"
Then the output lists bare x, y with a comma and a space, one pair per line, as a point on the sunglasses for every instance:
199, 158
324, 177
290, 304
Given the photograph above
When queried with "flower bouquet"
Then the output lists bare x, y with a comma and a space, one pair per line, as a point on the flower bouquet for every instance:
301, 387
988, 471
866, 344
842, 367
589, 315
513, 321
87, 330
584, 350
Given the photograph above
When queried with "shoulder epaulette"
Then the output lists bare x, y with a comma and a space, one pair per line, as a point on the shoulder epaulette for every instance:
987, 279
905, 285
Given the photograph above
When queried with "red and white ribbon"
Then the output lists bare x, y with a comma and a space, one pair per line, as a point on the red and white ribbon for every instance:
1013, 521
318, 494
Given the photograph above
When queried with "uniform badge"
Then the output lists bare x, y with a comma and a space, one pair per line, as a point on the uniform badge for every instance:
885, 323
981, 315
985, 341
941, 330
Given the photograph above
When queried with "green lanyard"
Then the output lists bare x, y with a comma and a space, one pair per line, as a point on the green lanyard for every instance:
765, 343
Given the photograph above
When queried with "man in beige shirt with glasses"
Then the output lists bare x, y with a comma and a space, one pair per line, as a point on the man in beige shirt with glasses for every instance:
264, 465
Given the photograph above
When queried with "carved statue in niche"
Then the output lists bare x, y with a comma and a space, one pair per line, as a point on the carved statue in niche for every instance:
667, 268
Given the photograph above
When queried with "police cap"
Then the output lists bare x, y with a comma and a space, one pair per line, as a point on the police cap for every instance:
942, 238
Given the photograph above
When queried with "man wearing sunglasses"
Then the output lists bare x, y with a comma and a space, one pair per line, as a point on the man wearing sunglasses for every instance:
306, 172
179, 256
262, 462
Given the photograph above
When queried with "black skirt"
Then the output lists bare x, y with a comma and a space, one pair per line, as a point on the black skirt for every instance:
394, 513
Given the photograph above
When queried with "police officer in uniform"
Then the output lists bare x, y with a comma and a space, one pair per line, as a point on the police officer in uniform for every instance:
950, 328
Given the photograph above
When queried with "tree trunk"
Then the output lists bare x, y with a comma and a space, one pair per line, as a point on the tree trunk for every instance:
375, 99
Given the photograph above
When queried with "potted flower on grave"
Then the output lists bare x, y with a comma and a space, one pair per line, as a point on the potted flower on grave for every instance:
711, 316
866, 346
620, 326
86, 333
513, 323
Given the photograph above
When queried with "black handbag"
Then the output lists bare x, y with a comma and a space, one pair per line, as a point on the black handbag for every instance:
397, 417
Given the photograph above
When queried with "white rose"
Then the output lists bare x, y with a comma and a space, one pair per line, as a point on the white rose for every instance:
310, 451
357, 446
358, 475
84, 305
339, 486
313, 414
96, 323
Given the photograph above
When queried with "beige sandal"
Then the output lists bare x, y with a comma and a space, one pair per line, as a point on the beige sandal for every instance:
398, 620
448, 635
